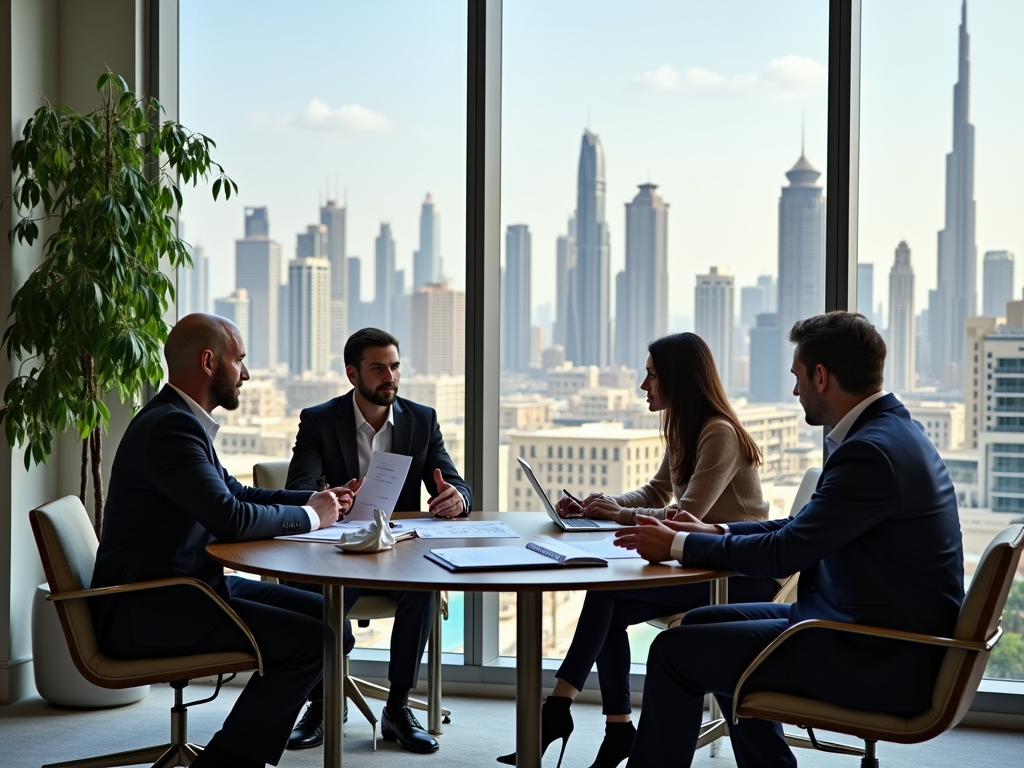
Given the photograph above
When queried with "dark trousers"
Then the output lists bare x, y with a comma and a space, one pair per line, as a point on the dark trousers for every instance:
414, 617
707, 653
601, 631
287, 626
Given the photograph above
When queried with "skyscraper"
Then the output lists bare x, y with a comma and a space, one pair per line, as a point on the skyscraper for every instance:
587, 342
356, 318
901, 358
258, 271
956, 291
515, 299
766, 359
439, 333
235, 307
192, 283
641, 289
801, 254
384, 278
426, 262
715, 300
334, 217
312, 244
997, 282
866, 290
309, 306
565, 288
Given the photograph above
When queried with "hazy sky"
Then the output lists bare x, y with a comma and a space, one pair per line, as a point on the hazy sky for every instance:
366, 101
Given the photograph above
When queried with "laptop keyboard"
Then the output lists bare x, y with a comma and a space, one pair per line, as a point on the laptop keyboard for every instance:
579, 522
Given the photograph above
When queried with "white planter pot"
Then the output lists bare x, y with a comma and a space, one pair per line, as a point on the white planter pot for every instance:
57, 679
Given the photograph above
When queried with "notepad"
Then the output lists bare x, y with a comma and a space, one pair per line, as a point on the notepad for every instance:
533, 555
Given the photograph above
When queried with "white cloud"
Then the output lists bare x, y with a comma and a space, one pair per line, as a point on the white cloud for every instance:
320, 116
664, 78
787, 77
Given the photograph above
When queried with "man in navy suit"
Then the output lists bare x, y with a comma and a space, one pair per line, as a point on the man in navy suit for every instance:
879, 543
335, 442
168, 498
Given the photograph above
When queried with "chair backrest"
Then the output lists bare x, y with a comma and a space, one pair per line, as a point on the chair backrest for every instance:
806, 490
961, 671
270, 474
67, 546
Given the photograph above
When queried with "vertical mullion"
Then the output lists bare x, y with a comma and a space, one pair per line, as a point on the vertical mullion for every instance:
483, 210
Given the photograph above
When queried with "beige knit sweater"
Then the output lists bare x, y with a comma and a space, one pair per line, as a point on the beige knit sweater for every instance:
722, 488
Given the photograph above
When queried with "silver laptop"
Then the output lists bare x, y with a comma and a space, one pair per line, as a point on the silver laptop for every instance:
568, 523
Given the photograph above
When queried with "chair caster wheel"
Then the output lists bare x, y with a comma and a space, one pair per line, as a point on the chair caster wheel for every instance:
447, 720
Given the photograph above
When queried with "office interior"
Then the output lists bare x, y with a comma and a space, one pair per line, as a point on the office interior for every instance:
57, 47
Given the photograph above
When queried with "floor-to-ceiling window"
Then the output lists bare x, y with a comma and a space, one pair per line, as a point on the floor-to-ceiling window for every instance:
344, 125
663, 170
939, 231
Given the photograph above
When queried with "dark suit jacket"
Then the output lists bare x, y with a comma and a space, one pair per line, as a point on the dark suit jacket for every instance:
326, 445
879, 543
168, 498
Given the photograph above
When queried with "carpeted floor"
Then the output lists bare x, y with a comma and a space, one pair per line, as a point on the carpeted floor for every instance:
33, 732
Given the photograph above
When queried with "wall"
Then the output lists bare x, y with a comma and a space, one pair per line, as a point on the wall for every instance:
54, 49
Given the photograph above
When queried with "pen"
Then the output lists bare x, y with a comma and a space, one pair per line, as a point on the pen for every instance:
570, 497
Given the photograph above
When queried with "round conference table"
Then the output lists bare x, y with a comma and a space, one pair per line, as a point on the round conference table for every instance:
405, 567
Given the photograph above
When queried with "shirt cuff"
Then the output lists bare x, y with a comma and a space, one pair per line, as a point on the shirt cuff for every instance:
465, 503
724, 527
677, 546
314, 518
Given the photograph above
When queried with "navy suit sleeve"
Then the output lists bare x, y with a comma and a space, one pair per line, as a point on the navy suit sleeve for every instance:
858, 491
438, 458
306, 466
181, 471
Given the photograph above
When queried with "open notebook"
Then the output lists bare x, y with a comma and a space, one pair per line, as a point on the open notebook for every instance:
549, 554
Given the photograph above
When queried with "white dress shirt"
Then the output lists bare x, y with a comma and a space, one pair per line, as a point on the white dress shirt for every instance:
833, 440
368, 441
212, 427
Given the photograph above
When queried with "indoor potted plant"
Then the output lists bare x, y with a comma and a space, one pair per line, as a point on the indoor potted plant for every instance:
89, 319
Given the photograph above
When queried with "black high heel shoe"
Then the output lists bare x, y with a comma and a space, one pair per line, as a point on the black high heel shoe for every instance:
618, 741
555, 723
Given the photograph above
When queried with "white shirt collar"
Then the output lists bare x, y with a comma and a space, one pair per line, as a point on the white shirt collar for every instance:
205, 419
360, 419
838, 433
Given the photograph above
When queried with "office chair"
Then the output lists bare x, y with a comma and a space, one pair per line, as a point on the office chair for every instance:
977, 632
67, 546
274, 474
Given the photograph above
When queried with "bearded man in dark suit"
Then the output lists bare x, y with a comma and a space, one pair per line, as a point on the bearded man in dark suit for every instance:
169, 496
335, 442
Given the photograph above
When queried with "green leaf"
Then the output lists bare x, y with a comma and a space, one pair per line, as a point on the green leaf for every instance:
216, 188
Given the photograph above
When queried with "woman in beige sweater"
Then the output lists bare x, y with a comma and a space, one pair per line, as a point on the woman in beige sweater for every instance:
710, 471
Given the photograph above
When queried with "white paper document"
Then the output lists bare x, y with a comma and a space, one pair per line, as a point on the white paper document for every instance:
605, 548
382, 485
461, 529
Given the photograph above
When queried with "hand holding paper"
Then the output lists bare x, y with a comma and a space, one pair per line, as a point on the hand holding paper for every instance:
382, 485
448, 502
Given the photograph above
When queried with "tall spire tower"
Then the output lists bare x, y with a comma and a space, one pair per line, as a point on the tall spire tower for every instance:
955, 297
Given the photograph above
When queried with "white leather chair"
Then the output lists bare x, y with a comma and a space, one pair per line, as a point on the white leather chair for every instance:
274, 474
67, 545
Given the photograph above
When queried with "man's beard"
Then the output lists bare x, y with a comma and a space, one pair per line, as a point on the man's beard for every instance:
376, 396
225, 391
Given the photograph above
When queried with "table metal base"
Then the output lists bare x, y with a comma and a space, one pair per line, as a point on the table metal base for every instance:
528, 659
334, 655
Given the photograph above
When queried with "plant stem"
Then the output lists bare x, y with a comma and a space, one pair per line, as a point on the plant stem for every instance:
97, 477
85, 471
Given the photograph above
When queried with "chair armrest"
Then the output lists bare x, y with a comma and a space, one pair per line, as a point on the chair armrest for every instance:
140, 586
973, 646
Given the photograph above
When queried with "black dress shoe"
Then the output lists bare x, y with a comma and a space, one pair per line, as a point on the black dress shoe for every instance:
403, 727
309, 731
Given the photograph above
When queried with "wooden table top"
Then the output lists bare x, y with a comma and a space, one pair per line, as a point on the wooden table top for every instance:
405, 567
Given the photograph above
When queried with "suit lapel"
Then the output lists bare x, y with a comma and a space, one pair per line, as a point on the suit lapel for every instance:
346, 432
401, 440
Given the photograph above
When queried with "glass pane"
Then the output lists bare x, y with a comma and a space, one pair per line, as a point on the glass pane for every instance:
344, 126
650, 203
939, 227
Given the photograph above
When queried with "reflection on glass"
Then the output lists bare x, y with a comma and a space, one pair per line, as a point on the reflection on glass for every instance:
938, 219
344, 125
672, 189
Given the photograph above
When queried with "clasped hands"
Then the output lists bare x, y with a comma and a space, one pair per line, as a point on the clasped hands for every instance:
652, 537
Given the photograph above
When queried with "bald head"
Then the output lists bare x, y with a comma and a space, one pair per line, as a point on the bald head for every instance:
191, 337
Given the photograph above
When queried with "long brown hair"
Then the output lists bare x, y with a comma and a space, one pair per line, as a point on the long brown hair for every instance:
692, 393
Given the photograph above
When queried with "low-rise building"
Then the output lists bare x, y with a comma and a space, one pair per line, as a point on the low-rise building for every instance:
943, 422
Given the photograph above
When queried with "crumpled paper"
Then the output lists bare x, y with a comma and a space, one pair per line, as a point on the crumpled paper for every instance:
375, 537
